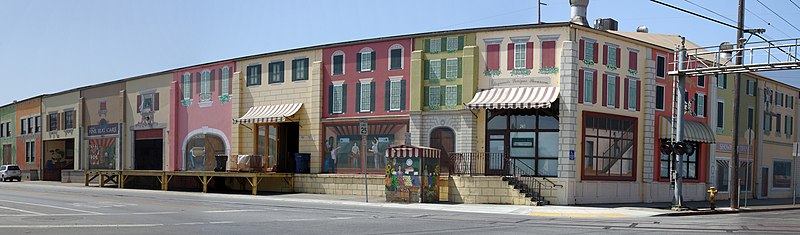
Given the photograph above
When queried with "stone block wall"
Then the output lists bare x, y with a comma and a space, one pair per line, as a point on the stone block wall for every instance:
484, 190
339, 184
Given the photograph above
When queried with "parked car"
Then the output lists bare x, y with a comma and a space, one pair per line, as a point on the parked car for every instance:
10, 172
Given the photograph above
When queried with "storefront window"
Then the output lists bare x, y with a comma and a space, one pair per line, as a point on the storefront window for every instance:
782, 176
200, 152
528, 136
723, 170
268, 147
689, 167
346, 152
613, 148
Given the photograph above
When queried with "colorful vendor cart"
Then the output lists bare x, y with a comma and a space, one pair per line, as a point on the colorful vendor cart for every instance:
412, 174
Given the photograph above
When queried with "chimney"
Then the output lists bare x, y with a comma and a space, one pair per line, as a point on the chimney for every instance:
578, 12
606, 24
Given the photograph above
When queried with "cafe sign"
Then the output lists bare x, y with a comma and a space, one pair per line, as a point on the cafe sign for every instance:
107, 129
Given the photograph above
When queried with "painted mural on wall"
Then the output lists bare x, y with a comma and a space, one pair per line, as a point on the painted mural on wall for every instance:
103, 153
346, 151
147, 104
412, 175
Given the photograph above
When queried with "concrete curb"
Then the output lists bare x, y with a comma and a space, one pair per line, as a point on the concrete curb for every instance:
714, 212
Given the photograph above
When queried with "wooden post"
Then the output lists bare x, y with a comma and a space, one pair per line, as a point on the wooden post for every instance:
164, 182
86, 179
205, 184
254, 185
102, 179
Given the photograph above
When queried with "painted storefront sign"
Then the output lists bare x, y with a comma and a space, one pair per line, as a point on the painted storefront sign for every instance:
103, 153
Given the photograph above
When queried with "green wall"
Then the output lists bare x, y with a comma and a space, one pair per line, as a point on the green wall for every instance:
7, 114
466, 80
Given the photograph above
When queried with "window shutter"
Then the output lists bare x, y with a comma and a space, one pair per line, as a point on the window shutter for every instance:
638, 94
595, 52
294, 70
510, 56
443, 44
138, 103
459, 67
619, 57
493, 62
358, 62
580, 85
594, 87
427, 43
616, 92
443, 69
402, 94
230, 81
61, 117
627, 96
344, 98
461, 42
156, 102
632, 60
372, 96
220, 80
387, 95
581, 49
358, 97
605, 54
458, 97
372, 57
197, 80
695, 104
605, 89
211, 80
442, 95
330, 99
548, 54
425, 97
529, 55
281, 71
426, 70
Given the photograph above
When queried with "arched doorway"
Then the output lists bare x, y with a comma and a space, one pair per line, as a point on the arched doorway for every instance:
201, 150
443, 138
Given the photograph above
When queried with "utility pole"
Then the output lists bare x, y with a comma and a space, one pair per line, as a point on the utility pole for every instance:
540, 10
677, 200
734, 190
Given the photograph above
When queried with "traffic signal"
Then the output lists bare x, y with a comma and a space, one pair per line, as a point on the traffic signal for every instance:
666, 147
689, 149
680, 148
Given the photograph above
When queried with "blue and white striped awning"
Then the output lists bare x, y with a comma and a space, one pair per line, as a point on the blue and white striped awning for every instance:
514, 98
270, 113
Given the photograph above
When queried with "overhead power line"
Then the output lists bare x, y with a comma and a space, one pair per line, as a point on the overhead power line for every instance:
795, 4
779, 16
767, 22
709, 10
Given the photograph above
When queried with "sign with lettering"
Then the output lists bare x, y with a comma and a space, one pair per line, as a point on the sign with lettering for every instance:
107, 129
572, 155
521, 81
363, 127
726, 147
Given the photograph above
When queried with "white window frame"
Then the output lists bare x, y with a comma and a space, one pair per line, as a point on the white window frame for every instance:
366, 91
395, 95
452, 43
612, 49
631, 92
337, 98
224, 77
451, 69
344, 62
395, 47
767, 122
701, 105
437, 97
722, 81
519, 55
205, 85
611, 94
366, 59
665, 67
588, 50
187, 86
434, 71
30, 151
435, 45
588, 86
451, 96
701, 78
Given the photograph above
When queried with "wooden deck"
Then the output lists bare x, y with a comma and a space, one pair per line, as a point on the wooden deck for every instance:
119, 177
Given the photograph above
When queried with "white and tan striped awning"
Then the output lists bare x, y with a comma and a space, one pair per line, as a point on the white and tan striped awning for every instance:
514, 98
692, 131
269, 113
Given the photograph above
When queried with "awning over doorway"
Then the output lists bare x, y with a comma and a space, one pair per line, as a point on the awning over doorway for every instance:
269, 113
692, 131
514, 98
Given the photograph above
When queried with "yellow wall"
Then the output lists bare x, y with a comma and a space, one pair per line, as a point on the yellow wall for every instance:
161, 85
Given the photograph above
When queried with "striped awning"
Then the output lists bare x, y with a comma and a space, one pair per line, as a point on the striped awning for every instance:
412, 151
269, 113
514, 98
692, 131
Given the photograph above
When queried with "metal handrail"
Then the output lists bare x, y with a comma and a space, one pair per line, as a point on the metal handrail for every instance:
529, 168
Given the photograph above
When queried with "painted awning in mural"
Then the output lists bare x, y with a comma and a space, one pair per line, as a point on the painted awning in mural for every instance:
412, 151
692, 131
514, 98
269, 113
374, 129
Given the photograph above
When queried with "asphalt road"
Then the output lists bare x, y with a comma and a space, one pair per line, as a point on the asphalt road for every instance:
27, 208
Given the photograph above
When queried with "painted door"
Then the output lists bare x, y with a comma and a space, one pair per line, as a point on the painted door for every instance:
7, 154
444, 139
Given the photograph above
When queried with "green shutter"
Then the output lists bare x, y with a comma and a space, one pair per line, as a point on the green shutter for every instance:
427, 68
442, 96
344, 98
372, 95
211, 81
402, 94
459, 67
280, 70
330, 99
294, 70
458, 98
443, 68
425, 100
427, 43
443, 44
372, 56
358, 97
387, 95
461, 42
358, 62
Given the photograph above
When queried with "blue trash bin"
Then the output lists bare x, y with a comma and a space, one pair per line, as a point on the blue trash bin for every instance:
302, 163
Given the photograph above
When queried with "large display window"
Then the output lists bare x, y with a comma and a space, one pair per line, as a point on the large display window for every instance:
528, 136
609, 147
347, 151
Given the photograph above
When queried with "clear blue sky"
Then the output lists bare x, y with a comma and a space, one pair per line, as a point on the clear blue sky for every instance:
48, 46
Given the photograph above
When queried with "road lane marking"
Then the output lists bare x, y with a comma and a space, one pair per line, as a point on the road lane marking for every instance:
221, 222
557, 214
191, 223
21, 210
51, 206
232, 211
81, 225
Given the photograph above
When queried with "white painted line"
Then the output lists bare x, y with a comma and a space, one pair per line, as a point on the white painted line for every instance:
21, 210
81, 226
50, 206
232, 211
221, 222
192, 223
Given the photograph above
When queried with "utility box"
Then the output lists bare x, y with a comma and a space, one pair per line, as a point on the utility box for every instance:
412, 174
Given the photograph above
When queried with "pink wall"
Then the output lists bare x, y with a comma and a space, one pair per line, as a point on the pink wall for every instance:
215, 118
351, 77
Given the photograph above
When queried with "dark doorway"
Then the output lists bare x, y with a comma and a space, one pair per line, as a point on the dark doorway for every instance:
764, 182
288, 134
443, 138
7, 154
148, 154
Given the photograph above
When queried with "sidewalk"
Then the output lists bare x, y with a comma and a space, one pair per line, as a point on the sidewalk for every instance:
593, 210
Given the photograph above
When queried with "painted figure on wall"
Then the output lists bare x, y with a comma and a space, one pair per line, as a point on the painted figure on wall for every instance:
345, 136
102, 153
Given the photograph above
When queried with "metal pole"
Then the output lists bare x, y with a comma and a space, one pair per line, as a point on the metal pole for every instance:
678, 198
540, 11
364, 166
734, 197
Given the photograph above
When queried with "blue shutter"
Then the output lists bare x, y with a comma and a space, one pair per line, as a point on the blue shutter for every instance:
387, 95
344, 98
372, 94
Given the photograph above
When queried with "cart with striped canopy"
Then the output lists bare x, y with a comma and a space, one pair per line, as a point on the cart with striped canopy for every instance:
412, 174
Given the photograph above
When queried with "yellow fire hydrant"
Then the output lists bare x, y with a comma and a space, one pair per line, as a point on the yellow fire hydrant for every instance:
712, 192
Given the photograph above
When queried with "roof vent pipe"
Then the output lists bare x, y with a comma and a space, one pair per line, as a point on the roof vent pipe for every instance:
642, 29
578, 12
